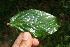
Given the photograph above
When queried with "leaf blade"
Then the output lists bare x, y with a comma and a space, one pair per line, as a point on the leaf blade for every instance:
37, 22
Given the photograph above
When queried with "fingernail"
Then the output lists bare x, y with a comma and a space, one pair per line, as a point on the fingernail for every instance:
25, 36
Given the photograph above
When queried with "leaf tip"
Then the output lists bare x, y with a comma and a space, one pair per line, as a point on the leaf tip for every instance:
8, 24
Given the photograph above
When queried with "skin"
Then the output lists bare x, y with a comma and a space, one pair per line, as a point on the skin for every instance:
28, 42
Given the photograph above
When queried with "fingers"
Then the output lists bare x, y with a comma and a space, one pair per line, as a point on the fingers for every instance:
18, 40
27, 40
35, 42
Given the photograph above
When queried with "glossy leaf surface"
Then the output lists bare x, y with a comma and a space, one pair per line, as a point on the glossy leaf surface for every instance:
36, 22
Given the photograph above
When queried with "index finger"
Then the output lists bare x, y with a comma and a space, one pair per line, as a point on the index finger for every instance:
18, 40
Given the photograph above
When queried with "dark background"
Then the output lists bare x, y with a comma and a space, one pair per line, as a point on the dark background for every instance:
58, 8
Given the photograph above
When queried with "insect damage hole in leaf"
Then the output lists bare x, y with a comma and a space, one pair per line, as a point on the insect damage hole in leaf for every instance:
38, 23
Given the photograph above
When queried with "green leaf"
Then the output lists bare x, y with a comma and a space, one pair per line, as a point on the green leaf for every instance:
38, 23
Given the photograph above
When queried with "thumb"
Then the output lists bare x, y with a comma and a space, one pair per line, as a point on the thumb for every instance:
27, 40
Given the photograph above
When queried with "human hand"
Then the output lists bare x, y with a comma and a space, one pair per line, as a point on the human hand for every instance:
25, 40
